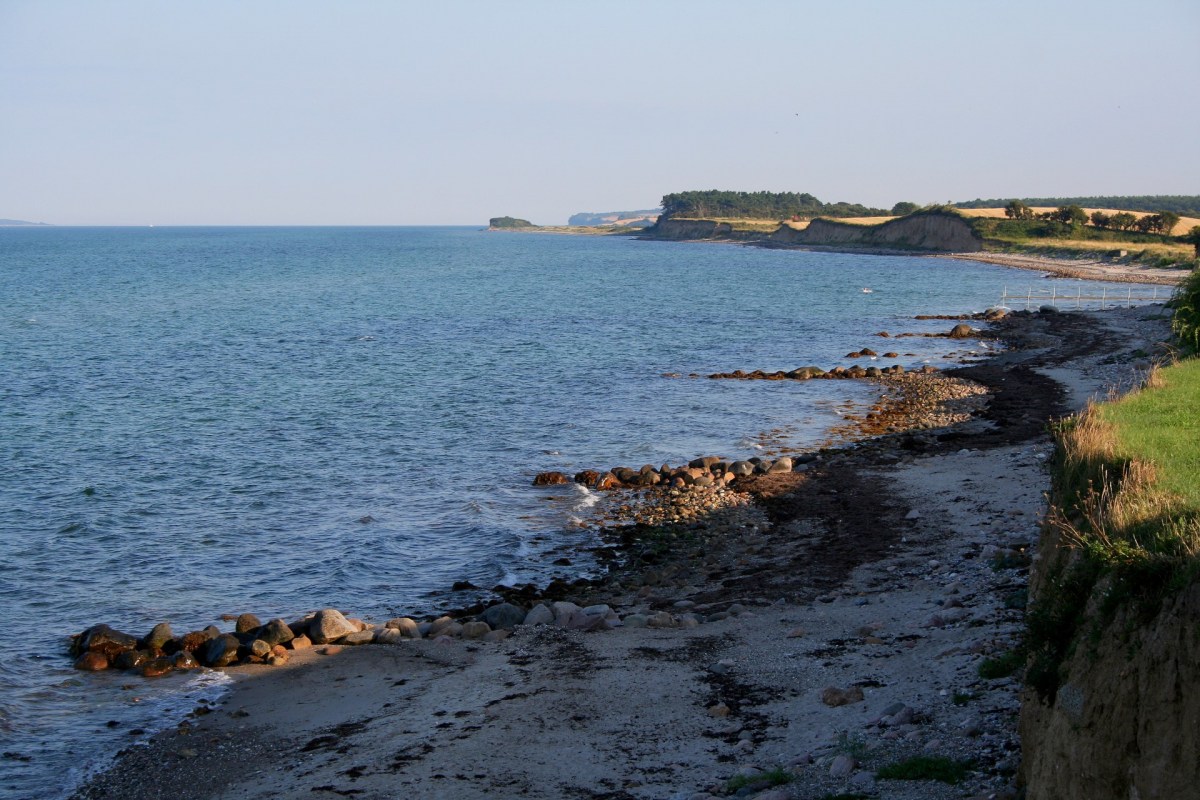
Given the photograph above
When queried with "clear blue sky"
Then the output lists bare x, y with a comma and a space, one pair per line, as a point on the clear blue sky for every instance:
298, 112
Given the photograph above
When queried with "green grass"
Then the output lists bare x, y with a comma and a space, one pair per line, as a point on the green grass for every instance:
1002, 666
926, 768
1162, 426
1126, 498
772, 777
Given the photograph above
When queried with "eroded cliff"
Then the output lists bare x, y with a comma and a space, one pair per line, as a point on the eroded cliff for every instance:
1123, 720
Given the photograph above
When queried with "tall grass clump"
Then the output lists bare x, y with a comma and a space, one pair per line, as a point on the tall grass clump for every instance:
1186, 321
1125, 498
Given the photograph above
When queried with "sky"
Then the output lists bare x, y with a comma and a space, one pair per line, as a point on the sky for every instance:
426, 113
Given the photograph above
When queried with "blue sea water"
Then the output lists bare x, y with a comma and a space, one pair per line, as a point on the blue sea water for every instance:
197, 421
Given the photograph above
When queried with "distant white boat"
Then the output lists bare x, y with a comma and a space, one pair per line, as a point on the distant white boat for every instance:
867, 291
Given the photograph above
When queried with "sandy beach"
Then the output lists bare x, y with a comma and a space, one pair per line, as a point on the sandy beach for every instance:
1088, 269
832, 627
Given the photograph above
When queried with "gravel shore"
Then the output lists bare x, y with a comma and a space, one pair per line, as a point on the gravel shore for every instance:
813, 628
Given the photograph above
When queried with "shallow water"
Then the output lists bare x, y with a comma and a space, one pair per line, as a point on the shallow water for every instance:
196, 421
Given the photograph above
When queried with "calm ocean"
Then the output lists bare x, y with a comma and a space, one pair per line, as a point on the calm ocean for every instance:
197, 421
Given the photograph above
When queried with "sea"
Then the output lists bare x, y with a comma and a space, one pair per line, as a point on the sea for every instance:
206, 421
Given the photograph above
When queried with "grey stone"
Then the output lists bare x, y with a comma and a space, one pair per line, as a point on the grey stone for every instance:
842, 766
159, 635
329, 625
539, 615
407, 627
276, 632
358, 638
503, 615
635, 621
563, 611
476, 630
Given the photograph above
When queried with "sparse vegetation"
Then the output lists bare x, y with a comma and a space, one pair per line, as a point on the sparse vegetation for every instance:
1186, 303
777, 776
1003, 665
1126, 497
926, 768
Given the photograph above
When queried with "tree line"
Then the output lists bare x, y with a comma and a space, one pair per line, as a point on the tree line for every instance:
1186, 205
1075, 216
759, 205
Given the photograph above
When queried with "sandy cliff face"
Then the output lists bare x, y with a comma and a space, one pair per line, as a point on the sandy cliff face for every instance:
691, 229
1126, 720
923, 231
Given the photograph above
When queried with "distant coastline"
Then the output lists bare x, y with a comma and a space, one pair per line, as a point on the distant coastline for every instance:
20, 223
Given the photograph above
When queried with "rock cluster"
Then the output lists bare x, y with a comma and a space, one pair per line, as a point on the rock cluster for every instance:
809, 373
707, 471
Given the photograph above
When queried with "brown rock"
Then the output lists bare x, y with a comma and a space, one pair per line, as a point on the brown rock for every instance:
92, 661
246, 623
157, 667
550, 479
833, 696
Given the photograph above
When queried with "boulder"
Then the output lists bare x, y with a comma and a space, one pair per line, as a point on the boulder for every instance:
404, 626
539, 615
184, 660
300, 642
157, 667
960, 331
191, 642
607, 481
158, 636
103, 639
782, 464
329, 625
260, 649
92, 661
221, 651
563, 611
588, 477
246, 623
503, 615
276, 632
550, 479
704, 462
131, 659
388, 636
476, 630
358, 638
741, 469
438, 625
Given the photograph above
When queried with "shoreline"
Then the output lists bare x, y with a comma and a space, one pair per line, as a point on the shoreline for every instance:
742, 573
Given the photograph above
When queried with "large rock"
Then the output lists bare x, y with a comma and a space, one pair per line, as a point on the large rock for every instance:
158, 636
539, 615
246, 623
563, 611
475, 630
276, 632
103, 639
503, 615
358, 638
92, 661
221, 651
741, 469
329, 625
405, 626
550, 479
960, 331
157, 667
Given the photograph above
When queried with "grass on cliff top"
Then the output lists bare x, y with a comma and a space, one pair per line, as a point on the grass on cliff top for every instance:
1161, 425
1127, 484
1125, 495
